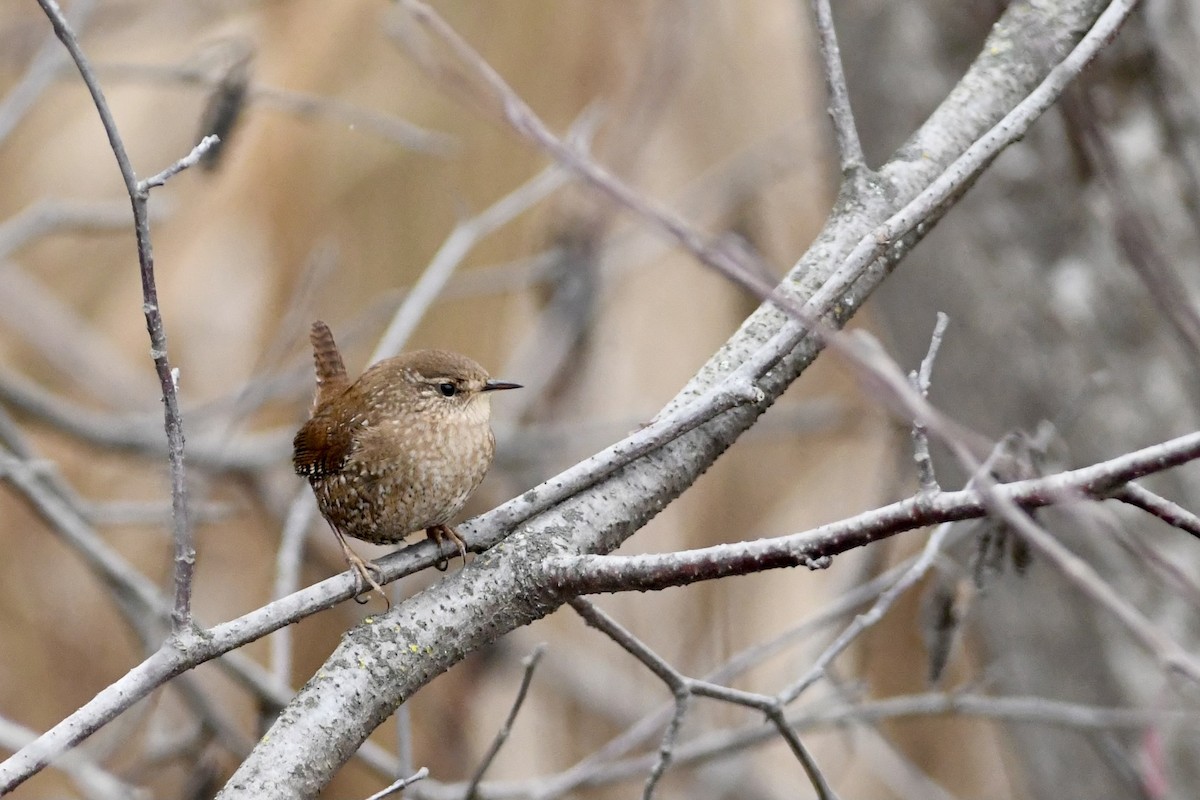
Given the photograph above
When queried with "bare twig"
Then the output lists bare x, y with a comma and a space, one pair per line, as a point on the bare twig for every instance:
666, 747
1173, 514
845, 131
190, 160
595, 764
920, 381
391, 128
401, 784
909, 578
583, 574
185, 553
675, 681
1168, 652
530, 663
712, 745
682, 686
454, 249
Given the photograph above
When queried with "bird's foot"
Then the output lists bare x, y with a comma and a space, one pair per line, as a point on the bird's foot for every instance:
439, 532
367, 575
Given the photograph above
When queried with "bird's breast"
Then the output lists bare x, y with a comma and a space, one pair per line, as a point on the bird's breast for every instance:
403, 478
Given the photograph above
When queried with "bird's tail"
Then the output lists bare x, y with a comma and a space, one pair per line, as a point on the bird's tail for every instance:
331, 371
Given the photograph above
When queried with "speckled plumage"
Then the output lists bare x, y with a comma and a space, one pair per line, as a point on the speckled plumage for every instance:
402, 448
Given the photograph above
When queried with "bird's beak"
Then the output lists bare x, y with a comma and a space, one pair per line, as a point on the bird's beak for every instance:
494, 386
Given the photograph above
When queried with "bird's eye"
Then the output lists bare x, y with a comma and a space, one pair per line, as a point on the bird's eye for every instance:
447, 389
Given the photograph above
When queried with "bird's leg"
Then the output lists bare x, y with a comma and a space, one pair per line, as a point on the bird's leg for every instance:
366, 573
437, 533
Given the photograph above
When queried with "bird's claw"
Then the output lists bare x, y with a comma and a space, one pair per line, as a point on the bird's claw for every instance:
368, 578
439, 532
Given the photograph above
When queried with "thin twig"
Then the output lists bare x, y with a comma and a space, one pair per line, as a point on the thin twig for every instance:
682, 686
190, 160
675, 681
401, 784
1173, 514
909, 578
1168, 652
583, 772
454, 249
530, 663
666, 747
815, 776
845, 131
585, 574
185, 553
920, 380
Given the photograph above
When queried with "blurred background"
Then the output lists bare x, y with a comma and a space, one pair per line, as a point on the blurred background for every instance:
1067, 273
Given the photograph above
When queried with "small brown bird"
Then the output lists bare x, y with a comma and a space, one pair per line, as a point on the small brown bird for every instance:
399, 450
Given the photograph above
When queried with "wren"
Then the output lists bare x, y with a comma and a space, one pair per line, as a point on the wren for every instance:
399, 450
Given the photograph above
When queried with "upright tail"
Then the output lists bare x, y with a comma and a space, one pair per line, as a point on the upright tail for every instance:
331, 371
